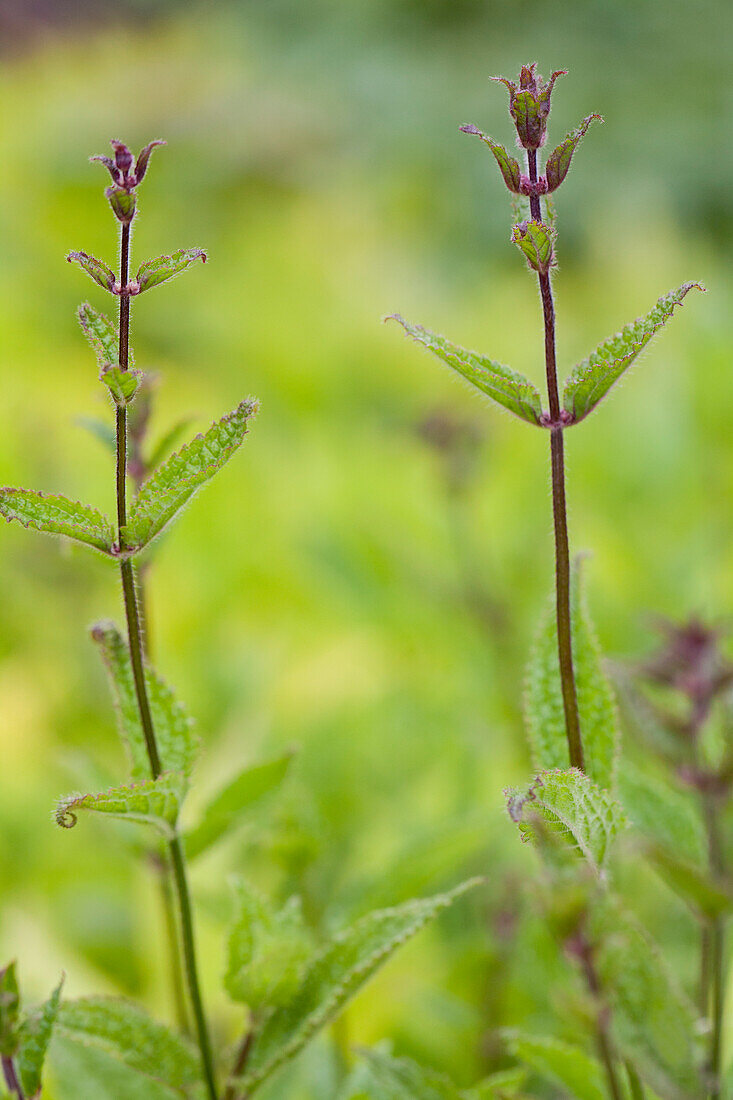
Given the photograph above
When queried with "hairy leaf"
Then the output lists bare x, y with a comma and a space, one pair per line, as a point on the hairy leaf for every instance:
339, 970
267, 950
177, 742
653, 1023
561, 1063
9, 1011
165, 267
227, 807
127, 1034
122, 384
175, 482
96, 269
508, 165
544, 710
512, 391
101, 334
558, 162
56, 515
535, 240
152, 802
35, 1035
572, 806
593, 378
404, 1079
82, 1072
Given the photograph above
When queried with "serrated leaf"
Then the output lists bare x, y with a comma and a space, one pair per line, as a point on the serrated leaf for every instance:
161, 268
535, 240
561, 1063
154, 802
122, 384
56, 515
267, 950
101, 334
572, 806
128, 1035
653, 1024
544, 710
512, 391
405, 1079
174, 733
35, 1035
508, 165
227, 807
558, 162
9, 1011
174, 483
591, 380
96, 269
334, 976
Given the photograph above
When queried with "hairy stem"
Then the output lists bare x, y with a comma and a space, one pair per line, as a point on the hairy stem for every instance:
559, 508
11, 1078
135, 641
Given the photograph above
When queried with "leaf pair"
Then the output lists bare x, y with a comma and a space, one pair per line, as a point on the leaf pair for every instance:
24, 1037
588, 383
332, 977
160, 500
151, 273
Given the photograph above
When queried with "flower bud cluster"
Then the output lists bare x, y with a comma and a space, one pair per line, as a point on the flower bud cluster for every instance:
126, 174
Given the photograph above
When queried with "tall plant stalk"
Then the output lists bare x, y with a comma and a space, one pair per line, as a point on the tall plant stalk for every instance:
137, 659
559, 502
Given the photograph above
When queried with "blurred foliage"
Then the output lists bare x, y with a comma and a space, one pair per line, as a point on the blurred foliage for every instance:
371, 596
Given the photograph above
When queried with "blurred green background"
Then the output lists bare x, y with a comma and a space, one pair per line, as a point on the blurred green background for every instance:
340, 587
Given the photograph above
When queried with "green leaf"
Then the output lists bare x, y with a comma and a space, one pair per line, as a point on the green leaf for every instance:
81, 1072
56, 515
152, 802
35, 1035
9, 1011
535, 240
101, 334
404, 1079
706, 898
96, 269
558, 162
122, 384
664, 814
593, 378
128, 1035
498, 1086
226, 809
165, 267
334, 976
572, 806
174, 483
512, 391
561, 1063
267, 950
508, 166
177, 742
653, 1023
544, 710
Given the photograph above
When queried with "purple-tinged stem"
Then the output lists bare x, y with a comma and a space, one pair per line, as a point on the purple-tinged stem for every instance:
559, 507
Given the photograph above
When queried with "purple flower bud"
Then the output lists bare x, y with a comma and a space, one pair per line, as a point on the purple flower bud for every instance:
141, 165
123, 157
529, 104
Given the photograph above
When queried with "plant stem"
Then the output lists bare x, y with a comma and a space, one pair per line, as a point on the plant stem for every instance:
11, 1078
713, 945
240, 1063
603, 1039
178, 992
559, 507
635, 1086
135, 642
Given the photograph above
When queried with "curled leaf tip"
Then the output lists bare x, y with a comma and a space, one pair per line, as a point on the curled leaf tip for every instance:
469, 128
